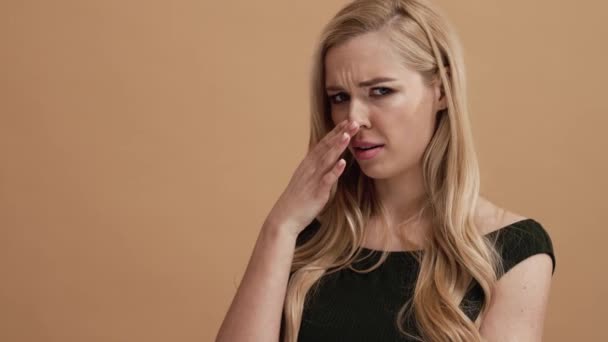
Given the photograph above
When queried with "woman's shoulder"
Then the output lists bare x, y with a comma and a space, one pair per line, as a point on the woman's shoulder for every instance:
516, 237
489, 217
519, 237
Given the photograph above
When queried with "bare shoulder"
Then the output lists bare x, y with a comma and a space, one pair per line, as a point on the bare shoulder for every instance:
519, 303
491, 217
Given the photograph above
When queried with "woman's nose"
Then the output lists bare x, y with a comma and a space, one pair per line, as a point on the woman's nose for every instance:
358, 113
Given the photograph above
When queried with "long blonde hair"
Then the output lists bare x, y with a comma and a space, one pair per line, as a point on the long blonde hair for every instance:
457, 252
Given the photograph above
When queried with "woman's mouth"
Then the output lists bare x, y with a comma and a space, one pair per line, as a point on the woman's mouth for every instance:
368, 152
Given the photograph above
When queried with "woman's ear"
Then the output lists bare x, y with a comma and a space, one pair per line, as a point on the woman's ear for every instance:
440, 98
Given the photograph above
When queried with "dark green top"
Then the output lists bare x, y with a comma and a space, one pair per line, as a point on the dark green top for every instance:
351, 306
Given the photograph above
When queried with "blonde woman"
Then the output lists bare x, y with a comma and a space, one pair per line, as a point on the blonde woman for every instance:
382, 234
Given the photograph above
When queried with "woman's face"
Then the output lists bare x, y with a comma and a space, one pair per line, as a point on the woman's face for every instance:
399, 113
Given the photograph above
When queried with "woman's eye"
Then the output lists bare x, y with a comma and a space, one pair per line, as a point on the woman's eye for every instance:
336, 99
385, 90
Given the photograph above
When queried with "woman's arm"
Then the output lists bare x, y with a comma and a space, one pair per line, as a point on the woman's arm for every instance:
517, 310
256, 309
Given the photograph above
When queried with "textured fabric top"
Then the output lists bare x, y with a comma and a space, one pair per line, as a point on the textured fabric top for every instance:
351, 306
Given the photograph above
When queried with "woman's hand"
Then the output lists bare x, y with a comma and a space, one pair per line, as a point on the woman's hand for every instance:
309, 188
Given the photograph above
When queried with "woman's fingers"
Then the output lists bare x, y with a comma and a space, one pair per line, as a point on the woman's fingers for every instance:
339, 144
332, 176
327, 141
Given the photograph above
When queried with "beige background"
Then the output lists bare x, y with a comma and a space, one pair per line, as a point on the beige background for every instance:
142, 144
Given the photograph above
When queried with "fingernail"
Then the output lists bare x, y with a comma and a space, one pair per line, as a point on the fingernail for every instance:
352, 125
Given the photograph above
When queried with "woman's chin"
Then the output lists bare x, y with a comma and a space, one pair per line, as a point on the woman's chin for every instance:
375, 171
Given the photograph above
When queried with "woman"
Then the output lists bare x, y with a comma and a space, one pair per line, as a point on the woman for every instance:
382, 234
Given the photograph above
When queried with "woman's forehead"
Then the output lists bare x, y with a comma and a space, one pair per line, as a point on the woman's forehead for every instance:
364, 49
361, 73
362, 58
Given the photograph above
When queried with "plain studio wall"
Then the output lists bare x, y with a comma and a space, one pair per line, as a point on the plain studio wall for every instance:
143, 143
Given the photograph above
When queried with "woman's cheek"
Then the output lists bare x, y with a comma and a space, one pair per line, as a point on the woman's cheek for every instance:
399, 102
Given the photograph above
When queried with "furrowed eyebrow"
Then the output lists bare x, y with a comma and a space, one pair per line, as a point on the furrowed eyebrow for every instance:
364, 83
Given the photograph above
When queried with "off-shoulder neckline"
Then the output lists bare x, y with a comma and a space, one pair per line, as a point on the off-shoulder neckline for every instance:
412, 251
